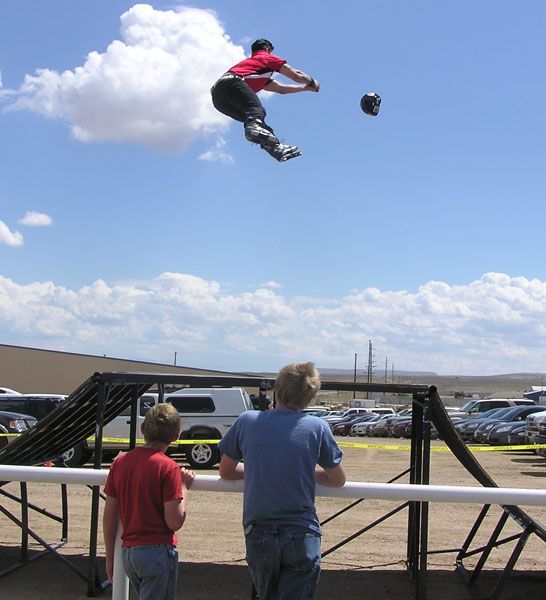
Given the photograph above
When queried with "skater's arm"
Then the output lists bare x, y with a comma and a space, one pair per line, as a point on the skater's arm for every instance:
283, 88
300, 77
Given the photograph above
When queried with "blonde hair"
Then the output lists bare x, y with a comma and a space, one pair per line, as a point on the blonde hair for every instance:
297, 384
161, 424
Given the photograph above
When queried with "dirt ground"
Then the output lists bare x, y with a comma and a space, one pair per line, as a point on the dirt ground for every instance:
372, 566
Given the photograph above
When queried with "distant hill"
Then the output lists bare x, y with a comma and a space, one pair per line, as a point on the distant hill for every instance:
377, 373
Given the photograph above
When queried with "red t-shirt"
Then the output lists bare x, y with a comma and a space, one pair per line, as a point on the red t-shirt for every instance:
142, 480
258, 69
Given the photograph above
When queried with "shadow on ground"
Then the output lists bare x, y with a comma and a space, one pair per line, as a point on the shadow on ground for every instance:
47, 578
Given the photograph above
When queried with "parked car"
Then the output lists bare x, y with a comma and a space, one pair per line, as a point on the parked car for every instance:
382, 411
402, 429
35, 405
518, 437
519, 413
344, 427
14, 423
467, 427
533, 423
500, 434
333, 418
473, 407
5, 390
39, 406
361, 429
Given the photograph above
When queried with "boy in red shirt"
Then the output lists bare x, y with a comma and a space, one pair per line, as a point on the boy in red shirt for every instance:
147, 491
234, 95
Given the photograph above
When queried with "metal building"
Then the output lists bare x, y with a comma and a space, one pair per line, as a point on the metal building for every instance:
39, 371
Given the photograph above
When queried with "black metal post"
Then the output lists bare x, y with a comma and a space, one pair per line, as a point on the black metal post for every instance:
414, 518
421, 583
64, 512
134, 416
93, 581
24, 521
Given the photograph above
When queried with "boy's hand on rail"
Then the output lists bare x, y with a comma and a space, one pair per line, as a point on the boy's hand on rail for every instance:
187, 477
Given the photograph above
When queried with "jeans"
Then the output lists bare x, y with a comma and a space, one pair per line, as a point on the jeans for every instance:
284, 561
152, 571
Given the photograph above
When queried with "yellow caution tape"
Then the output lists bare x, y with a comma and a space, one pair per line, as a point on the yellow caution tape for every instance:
439, 448
140, 441
403, 447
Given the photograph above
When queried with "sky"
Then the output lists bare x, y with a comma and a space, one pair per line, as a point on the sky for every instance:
136, 221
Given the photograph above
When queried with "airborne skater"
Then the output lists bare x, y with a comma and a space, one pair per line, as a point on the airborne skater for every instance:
234, 95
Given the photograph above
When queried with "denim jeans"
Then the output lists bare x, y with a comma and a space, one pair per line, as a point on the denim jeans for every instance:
284, 561
152, 571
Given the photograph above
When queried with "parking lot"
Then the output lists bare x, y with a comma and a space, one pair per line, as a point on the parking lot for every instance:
212, 551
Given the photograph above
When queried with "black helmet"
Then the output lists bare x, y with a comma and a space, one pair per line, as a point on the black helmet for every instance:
370, 104
261, 44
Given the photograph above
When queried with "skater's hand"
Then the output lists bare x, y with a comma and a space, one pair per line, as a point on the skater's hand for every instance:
313, 86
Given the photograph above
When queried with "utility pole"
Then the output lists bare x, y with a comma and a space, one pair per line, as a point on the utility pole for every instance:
354, 378
386, 371
175, 358
370, 365
392, 372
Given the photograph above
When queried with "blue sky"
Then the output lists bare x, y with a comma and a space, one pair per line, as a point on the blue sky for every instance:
152, 225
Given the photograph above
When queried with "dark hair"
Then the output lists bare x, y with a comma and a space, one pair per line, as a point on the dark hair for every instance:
261, 44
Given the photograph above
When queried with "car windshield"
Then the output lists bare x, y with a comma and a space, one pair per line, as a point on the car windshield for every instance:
361, 418
491, 412
466, 407
501, 412
516, 412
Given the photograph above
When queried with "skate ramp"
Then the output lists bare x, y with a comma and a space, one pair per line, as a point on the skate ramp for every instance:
68, 425
448, 433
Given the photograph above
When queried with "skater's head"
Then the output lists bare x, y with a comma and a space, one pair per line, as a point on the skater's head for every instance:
262, 44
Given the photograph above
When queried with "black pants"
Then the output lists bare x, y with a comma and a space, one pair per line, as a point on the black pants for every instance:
234, 98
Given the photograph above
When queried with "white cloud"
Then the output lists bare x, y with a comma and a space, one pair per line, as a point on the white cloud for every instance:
492, 325
10, 238
36, 219
151, 87
217, 153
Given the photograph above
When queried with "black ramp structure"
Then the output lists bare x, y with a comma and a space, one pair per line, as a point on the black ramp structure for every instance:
528, 525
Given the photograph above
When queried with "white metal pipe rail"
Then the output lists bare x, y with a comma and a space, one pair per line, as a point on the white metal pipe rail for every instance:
352, 489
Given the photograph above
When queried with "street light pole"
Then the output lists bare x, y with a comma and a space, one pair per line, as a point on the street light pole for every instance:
354, 378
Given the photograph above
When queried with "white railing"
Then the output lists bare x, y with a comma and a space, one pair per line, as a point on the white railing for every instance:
352, 489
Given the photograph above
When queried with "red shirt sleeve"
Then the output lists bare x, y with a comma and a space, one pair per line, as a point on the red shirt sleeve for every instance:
110, 488
275, 62
172, 484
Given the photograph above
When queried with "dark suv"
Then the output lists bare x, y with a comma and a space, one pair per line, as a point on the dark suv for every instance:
39, 406
14, 423
36, 405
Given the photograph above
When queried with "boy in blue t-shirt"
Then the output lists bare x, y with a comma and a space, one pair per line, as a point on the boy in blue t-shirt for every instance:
285, 452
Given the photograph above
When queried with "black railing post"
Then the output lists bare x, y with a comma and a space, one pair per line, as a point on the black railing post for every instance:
425, 480
93, 581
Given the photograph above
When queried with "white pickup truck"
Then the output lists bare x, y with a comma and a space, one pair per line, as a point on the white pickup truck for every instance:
207, 413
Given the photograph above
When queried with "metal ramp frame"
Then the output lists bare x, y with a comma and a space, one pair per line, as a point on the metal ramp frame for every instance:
104, 395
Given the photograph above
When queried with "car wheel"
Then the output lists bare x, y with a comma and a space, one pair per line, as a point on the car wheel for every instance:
75, 457
202, 456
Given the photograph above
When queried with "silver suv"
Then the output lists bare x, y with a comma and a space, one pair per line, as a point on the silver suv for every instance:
207, 413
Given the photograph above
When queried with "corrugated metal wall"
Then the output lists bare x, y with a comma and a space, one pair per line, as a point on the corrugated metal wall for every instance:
36, 371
